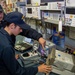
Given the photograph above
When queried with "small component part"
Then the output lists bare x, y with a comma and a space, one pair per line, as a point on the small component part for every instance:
26, 54
23, 48
18, 47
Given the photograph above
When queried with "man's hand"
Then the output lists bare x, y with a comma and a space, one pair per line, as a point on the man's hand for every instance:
44, 68
17, 56
42, 42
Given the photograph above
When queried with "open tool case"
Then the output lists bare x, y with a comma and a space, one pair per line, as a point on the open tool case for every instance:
22, 47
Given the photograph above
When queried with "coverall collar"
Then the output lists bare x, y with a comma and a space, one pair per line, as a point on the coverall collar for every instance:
7, 35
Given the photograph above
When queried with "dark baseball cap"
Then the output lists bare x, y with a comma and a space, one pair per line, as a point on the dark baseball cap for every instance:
16, 18
1, 9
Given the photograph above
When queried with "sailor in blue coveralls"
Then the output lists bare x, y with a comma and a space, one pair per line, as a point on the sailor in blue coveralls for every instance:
8, 64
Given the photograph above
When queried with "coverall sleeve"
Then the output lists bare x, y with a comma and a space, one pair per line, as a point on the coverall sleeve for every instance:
31, 33
12, 65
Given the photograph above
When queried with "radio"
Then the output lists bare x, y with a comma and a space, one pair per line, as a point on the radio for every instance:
70, 17
33, 2
52, 6
33, 12
45, 6
70, 3
52, 16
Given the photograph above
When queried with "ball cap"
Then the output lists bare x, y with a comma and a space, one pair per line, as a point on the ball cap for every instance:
16, 18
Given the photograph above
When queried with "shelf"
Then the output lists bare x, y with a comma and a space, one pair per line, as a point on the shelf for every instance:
45, 1
49, 20
70, 7
66, 25
52, 9
32, 5
52, 21
32, 18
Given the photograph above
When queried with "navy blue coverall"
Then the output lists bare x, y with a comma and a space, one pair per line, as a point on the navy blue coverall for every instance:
8, 64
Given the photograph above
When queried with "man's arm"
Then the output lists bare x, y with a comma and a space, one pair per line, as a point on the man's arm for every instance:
31, 33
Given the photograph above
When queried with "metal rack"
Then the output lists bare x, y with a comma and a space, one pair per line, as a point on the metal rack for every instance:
50, 20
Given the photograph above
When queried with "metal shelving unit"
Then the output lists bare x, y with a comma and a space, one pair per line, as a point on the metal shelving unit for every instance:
52, 21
